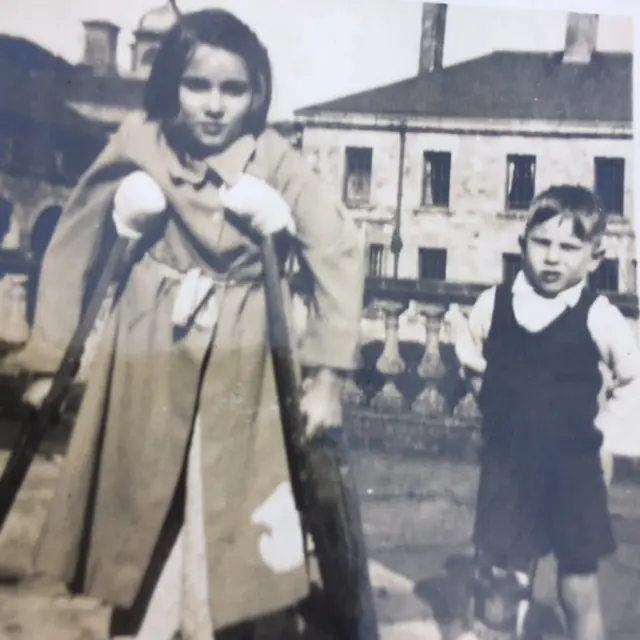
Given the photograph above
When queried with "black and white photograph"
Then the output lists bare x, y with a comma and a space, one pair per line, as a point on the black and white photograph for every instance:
319, 320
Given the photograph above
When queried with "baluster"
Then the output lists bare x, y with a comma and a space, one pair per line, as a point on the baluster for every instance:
14, 328
390, 362
352, 393
467, 408
431, 369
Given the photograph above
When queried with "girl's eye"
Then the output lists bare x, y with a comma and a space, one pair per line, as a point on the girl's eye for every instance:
235, 88
195, 84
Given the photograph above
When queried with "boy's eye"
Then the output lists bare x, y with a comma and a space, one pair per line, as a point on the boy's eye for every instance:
541, 242
569, 247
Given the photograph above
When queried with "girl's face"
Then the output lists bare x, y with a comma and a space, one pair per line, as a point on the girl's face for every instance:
215, 97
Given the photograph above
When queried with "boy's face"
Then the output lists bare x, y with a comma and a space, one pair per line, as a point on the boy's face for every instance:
554, 259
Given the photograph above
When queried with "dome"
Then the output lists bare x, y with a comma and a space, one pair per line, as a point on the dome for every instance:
158, 20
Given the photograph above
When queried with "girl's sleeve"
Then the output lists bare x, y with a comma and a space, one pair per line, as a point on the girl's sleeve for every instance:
82, 237
331, 249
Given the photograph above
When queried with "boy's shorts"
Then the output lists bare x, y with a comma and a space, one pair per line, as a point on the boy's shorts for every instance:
530, 505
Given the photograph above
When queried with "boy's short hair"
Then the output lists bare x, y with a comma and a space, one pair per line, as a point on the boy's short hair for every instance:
574, 201
216, 28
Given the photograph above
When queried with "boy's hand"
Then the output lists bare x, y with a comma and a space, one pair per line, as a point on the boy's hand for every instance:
259, 203
456, 328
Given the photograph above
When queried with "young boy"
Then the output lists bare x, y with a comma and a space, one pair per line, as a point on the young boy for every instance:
539, 344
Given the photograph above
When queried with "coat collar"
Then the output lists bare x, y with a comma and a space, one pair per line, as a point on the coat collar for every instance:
227, 165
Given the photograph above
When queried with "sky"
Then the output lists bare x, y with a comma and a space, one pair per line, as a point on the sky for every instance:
322, 49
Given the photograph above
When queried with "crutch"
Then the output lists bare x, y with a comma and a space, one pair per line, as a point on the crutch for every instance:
323, 483
30, 437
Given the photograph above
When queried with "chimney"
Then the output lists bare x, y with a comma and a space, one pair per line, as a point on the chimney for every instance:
580, 38
100, 46
434, 18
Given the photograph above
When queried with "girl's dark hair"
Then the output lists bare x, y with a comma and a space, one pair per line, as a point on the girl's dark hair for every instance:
216, 28
580, 204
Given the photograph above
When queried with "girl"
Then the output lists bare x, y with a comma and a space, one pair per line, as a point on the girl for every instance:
175, 499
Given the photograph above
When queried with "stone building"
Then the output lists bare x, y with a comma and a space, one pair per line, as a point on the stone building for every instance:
57, 116
101, 91
105, 94
443, 165
45, 145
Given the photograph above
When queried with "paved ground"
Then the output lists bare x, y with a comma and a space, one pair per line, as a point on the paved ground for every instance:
418, 517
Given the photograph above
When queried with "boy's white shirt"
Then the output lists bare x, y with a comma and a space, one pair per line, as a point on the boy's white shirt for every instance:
610, 332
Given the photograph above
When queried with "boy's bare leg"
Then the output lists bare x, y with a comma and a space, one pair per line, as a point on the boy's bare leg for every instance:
579, 596
608, 463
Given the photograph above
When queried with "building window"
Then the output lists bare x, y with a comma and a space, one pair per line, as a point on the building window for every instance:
511, 266
521, 181
23, 156
296, 140
43, 163
377, 260
436, 179
357, 183
432, 264
609, 183
605, 277
71, 161
149, 56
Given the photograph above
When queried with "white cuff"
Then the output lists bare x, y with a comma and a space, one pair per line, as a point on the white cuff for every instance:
123, 230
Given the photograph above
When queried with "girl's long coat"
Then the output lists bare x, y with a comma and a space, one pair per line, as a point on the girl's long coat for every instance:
126, 456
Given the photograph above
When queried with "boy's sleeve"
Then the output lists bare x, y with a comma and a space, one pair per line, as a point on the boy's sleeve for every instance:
470, 338
619, 351
332, 250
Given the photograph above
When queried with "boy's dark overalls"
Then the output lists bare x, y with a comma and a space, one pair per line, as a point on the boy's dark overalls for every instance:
541, 484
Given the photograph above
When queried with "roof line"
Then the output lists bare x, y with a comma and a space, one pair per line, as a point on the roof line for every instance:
507, 126
441, 75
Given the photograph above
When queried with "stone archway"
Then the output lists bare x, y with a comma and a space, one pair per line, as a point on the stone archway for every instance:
6, 211
42, 230
14, 329
39, 239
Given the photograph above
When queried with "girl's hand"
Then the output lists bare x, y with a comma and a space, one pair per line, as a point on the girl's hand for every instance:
261, 204
36, 392
137, 205
321, 402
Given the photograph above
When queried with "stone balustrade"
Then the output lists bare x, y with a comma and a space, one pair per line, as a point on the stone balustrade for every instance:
407, 394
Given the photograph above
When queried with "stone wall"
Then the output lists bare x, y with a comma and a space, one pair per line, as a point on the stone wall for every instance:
30, 196
475, 229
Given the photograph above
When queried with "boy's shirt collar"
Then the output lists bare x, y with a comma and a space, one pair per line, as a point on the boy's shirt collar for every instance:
569, 297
